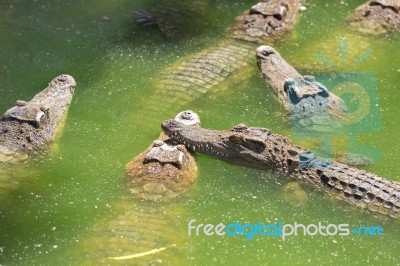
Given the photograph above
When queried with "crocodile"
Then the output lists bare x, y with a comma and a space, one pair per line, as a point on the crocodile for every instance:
28, 129
301, 95
148, 215
165, 169
259, 147
311, 106
376, 17
30, 126
197, 74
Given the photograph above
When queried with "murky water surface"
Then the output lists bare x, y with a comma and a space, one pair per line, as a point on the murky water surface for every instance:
58, 200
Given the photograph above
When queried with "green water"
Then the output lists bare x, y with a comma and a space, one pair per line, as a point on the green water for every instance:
114, 62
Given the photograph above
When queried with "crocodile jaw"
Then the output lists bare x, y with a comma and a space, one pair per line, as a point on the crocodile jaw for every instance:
234, 146
31, 125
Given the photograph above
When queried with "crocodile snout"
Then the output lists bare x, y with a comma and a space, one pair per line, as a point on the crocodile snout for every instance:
64, 80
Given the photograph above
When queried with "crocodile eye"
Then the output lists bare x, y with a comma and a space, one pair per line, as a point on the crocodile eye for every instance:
236, 138
158, 143
21, 103
240, 127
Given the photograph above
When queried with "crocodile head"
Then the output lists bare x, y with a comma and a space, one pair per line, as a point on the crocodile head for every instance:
53, 100
30, 125
376, 17
165, 169
249, 146
241, 144
266, 20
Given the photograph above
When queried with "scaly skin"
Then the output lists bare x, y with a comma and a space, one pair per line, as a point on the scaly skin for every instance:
258, 147
278, 74
312, 108
203, 72
376, 17
163, 171
29, 127
266, 20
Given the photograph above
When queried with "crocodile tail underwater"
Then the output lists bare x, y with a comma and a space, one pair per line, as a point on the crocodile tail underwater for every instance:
140, 233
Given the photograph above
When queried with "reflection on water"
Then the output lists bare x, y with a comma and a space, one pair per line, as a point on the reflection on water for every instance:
78, 191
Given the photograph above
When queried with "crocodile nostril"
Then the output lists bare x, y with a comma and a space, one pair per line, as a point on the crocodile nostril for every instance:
187, 118
186, 115
62, 78
266, 52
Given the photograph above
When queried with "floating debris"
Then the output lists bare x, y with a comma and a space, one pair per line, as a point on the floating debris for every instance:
138, 255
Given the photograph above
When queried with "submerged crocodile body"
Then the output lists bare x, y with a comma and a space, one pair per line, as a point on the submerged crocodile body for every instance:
170, 17
258, 147
136, 233
376, 17
163, 171
28, 127
197, 74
